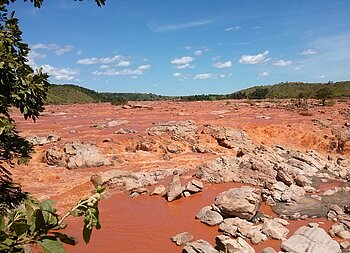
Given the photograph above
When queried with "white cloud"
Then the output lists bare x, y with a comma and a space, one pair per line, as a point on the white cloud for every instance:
263, 74
254, 59
183, 62
174, 27
114, 72
116, 61
282, 63
57, 49
61, 74
233, 28
204, 76
309, 52
297, 68
88, 61
104, 66
221, 65
185, 66
144, 67
123, 64
198, 52
79, 52
181, 76
187, 47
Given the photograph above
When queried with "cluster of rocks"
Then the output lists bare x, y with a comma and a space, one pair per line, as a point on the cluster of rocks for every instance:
341, 227
307, 239
236, 213
175, 190
124, 131
111, 123
180, 130
76, 155
136, 183
130, 181
42, 140
229, 137
257, 165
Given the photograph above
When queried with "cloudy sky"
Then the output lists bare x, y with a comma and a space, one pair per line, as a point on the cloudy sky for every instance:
188, 47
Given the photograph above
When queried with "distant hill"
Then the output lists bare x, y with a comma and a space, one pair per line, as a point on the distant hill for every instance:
295, 90
74, 94
69, 93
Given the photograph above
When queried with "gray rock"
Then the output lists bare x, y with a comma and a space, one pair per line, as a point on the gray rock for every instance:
274, 229
124, 131
239, 202
201, 212
42, 140
199, 246
145, 145
194, 186
228, 245
182, 238
268, 250
54, 156
84, 155
174, 149
228, 227
159, 190
302, 181
211, 218
230, 137
201, 149
181, 130
175, 189
284, 177
310, 240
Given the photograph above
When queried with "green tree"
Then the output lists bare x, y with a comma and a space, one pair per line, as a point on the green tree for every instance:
323, 94
259, 93
24, 221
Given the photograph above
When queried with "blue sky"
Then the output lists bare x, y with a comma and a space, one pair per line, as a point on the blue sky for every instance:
188, 47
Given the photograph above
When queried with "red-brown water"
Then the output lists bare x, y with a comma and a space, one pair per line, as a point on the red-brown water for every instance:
145, 224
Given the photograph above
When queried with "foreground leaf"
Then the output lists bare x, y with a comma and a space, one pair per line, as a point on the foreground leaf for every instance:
52, 246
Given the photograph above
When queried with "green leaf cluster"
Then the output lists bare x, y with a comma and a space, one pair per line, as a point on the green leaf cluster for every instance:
38, 223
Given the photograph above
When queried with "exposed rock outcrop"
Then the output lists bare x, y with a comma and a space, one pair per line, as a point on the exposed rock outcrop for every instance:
76, 155
180, 130
175, 189
311, 240
239, 202
42, 140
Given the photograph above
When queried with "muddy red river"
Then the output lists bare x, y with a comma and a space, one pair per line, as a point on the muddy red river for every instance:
145, 224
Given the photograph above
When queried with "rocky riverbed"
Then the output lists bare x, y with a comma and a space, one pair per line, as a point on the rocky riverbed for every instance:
235, 176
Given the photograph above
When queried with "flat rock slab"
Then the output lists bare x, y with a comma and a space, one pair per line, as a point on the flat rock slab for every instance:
310, 240
309, 206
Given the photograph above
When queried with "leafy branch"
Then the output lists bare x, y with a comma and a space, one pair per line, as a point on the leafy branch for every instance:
38, 223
